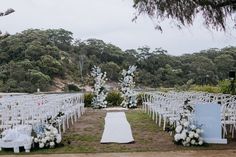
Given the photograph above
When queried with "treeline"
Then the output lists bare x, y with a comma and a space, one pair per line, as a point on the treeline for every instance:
36, 58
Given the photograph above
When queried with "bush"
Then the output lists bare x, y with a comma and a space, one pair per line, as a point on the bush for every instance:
139, 99
114, 98
73, 88
205, 88
88, 97
225, 87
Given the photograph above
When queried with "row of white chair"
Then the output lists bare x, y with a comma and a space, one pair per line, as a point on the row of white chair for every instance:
33, 109
167, 107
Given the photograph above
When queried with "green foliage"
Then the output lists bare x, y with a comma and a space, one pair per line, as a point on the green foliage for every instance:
205, 88
226, 86
114, 98
36, 58
88, 97
72, 88
139, 99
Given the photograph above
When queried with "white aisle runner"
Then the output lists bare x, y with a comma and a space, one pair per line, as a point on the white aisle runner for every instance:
117, 129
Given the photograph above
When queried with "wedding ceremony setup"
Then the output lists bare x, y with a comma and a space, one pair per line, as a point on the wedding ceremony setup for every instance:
39, 121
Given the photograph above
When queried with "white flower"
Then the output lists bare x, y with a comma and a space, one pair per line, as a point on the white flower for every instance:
58, 138
55, 131
193, 142
188, 139
184, 143
191, 134
41, 145
200, 142
47, 138
177, 137
44, 140
52, 144
183, 135
36, 140
178, 128
186, 124
196, 135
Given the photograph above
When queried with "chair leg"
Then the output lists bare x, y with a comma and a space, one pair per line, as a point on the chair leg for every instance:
164, 125
156, 117
16, 149
159, 120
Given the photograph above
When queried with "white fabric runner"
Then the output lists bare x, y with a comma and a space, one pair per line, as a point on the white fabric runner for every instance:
117, 129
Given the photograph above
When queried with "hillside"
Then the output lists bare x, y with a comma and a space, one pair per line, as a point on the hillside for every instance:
50, 59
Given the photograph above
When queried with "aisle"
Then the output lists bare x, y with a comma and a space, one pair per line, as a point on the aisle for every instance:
117, 129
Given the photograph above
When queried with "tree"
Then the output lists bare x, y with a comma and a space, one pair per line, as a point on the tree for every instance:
183, 12
112, 70
81, 65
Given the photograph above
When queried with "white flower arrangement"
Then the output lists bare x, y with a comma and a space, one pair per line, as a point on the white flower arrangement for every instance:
100, 92
188, 134
47, 135
49, 138
127, 86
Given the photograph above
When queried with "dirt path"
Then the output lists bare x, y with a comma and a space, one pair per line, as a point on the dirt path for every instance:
199, 153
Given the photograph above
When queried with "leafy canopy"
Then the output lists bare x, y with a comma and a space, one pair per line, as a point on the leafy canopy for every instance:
183, 12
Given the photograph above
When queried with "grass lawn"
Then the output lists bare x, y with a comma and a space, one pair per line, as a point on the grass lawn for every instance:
85, 135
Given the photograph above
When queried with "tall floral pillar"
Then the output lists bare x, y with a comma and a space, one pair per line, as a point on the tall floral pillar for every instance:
100, 92
127, 88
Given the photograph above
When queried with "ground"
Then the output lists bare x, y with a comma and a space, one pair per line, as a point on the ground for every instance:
85, 135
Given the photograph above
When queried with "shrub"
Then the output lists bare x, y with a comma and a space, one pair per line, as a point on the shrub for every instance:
114, 98
139, 99
73, 88
225, 87
88, 97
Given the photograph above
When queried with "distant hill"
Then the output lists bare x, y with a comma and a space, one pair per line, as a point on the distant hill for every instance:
51, 59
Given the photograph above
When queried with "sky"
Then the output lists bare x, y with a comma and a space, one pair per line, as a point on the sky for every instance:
111, 21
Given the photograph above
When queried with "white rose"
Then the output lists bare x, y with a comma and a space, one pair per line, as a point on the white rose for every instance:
191, 134
55, 131
178, 129
185, 131
196, 135
41, 145
44, 140
183, 135
177, 137
52, 144
47, 138
193, 142
184, 143
186, 124
188, 139
200, 142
